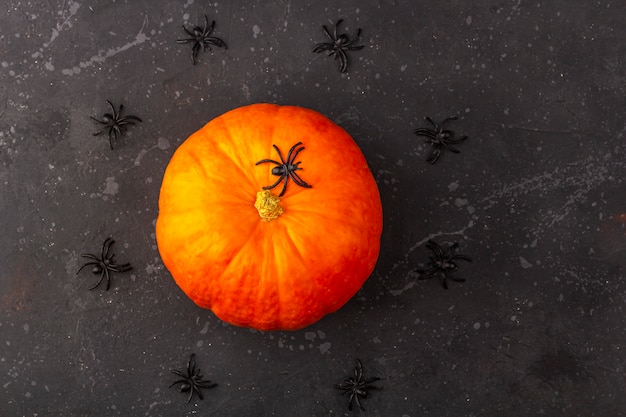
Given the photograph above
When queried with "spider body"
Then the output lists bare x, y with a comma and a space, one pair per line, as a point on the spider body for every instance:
439, 138
339, 45
356, 387
201, 38
442, 263
104, 264
191, 380
286, 169
115, 123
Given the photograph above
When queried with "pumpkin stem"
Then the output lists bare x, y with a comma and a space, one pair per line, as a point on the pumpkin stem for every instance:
267, 205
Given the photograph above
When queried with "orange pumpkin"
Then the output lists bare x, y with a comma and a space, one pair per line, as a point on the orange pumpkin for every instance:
256, 259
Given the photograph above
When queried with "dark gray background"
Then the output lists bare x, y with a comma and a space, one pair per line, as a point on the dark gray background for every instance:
536, 197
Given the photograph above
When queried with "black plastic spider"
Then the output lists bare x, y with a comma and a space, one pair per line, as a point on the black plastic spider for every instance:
201, 36
115, 123
191, 380
439, 138
442, 263
286, 169
339, 45
356, 386
104, 264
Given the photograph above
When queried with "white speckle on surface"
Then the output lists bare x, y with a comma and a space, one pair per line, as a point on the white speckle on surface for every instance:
468, 20
111, 187
460, 202
524, 263
453, 186
476, 326
325, 347
256, 30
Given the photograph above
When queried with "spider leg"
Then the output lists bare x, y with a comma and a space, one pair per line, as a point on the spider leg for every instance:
112, 135
450, 148
336, 29
194, 52
114, 112
108, 277
444, 280
218, 42
121, 268
87, 264
119, 112
190, 33
434, 156
99, 132
100, 280
180, 374
455, 278
205, 45
427, 273
130, 120
191, 365
353, 48
180, 381
432, 123
358, 370
463, 257
206, 384
447, 120
99, 121
358, 402
291, 156
269, 187
267, 160
435, 248
344, 60
197, 390
280, 155
284, 186
422, 131
296, 178
320, 47
208, 29
191, 390
457, 140
106, 246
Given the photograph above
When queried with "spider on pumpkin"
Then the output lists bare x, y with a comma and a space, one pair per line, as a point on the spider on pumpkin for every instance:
286, 169
338, 45
191, 380
439, 138
442, 263
114, 123
104, 264
201, 36
357, 387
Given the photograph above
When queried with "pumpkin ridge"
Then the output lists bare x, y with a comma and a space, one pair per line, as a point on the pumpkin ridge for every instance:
234, 163
248, 171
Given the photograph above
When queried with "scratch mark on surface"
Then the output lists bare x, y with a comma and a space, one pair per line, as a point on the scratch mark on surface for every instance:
111, 52
66, 23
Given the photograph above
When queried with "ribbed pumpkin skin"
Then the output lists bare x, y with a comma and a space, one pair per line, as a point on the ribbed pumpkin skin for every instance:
287, 273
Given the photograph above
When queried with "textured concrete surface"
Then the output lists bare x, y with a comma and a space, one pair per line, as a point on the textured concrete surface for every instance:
536, 197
